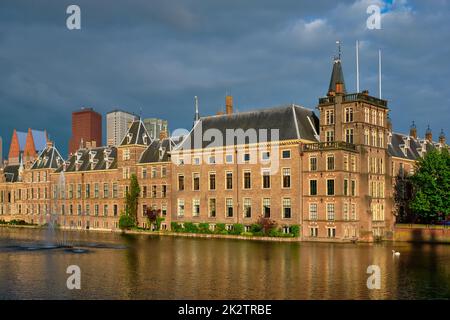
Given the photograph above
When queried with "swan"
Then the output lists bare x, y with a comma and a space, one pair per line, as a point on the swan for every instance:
396, 253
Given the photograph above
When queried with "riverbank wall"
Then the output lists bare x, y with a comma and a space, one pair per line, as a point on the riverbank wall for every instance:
422, 233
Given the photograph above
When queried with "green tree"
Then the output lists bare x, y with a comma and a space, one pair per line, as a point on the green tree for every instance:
128, 219
431, 186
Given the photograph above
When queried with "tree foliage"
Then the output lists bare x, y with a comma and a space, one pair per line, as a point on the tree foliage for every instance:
132, 197
431, 186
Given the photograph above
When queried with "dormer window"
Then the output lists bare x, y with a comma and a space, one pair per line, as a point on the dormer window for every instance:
129, 137
126, 154
144, 138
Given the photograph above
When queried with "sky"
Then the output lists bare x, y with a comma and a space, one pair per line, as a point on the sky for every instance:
155, 56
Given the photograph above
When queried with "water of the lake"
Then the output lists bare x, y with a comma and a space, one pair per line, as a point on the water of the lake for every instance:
33, 264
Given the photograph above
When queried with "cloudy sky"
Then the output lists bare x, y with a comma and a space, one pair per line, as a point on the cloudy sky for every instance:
157, 55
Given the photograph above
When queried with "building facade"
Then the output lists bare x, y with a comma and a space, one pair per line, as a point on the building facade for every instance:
117, 124
334, 174
86, 128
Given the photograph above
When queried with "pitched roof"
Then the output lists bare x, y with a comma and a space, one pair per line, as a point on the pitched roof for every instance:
11, 173
40, 139
407, 147
337, 76
291, 121
22, 137
159, 150
136, 135
101, 158
49, 158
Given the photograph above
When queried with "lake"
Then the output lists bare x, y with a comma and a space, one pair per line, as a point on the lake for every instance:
33, 265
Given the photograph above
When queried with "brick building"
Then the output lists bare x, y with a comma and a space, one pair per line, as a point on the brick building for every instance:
333, 174
86, 128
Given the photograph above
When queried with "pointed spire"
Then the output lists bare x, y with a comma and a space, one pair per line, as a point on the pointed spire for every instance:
337, 83
442, 137
413, 130
197, 115
429, 134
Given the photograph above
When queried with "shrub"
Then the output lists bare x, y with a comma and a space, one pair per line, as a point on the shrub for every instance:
204, 228
220, 227
247, 234
176, 227
16, 222
295, 230
256, 228
126, 222
159, 220
275, 233
189, 227
238, 228
223, 232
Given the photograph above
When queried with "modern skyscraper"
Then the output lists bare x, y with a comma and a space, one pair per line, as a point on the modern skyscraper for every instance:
86, 127
117, 124
154, 127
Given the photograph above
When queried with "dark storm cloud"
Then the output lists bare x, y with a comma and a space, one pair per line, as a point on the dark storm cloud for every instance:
156, 55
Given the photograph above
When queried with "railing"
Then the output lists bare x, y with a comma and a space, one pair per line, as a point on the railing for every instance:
355, 97
329, 145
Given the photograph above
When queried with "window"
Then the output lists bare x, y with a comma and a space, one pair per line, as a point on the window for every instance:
246, 157
374, 116
380, 139
353, 163
266, 207
229, 207
353, 211
345, 162
115, 190
79, 209
366, 137
349, 135
345, 211
330, 187
330, 162
345, 187
212, 181
196, 181
286, 154
380, 118
115, 210
312, 187
348, 114
154, 191
374, 138
154, 173
163, 172
329, 117
330, 211
212, 160
144, 192
78, 191
266, 179
247, 208
229, 180
313, 231
353, 188
105, 210
126, 154
313, 211
105, 190
180, 211
88, 209
164, 191
265, 155
195, 207
366, 115
180, 182
247, 180
330, 136
212, 207
229, 158
70, 192
331, 232
313, 163
144, 173
287, 208
96, 209
96, 190
286, 177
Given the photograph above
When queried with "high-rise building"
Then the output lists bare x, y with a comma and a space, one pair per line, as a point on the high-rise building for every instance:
86, 128
154, 127
117, 124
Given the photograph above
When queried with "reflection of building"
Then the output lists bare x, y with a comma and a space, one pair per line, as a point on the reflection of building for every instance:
154, 126
330, 173
26, 145
117, 124
86, 128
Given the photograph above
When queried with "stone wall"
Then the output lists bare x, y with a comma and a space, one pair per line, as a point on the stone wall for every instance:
422, 233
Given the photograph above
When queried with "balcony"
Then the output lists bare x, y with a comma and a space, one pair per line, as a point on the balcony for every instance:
355, 97
320, 146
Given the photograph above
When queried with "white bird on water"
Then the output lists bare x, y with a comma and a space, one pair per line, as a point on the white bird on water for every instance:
395, 253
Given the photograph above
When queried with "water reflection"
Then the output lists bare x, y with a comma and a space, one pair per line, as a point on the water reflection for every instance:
118, 266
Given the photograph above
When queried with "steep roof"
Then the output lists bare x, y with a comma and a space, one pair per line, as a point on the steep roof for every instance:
40, 139
291, 121
49, 158
101, 158
136, 135
22, 137
407, 147
159, 150
337, 76
11, 173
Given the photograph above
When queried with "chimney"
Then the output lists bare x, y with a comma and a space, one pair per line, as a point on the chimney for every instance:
442, 138
365, 92
49, 144
94, 144
88, 145
413, 130
229, 105
162, 135
429, 134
